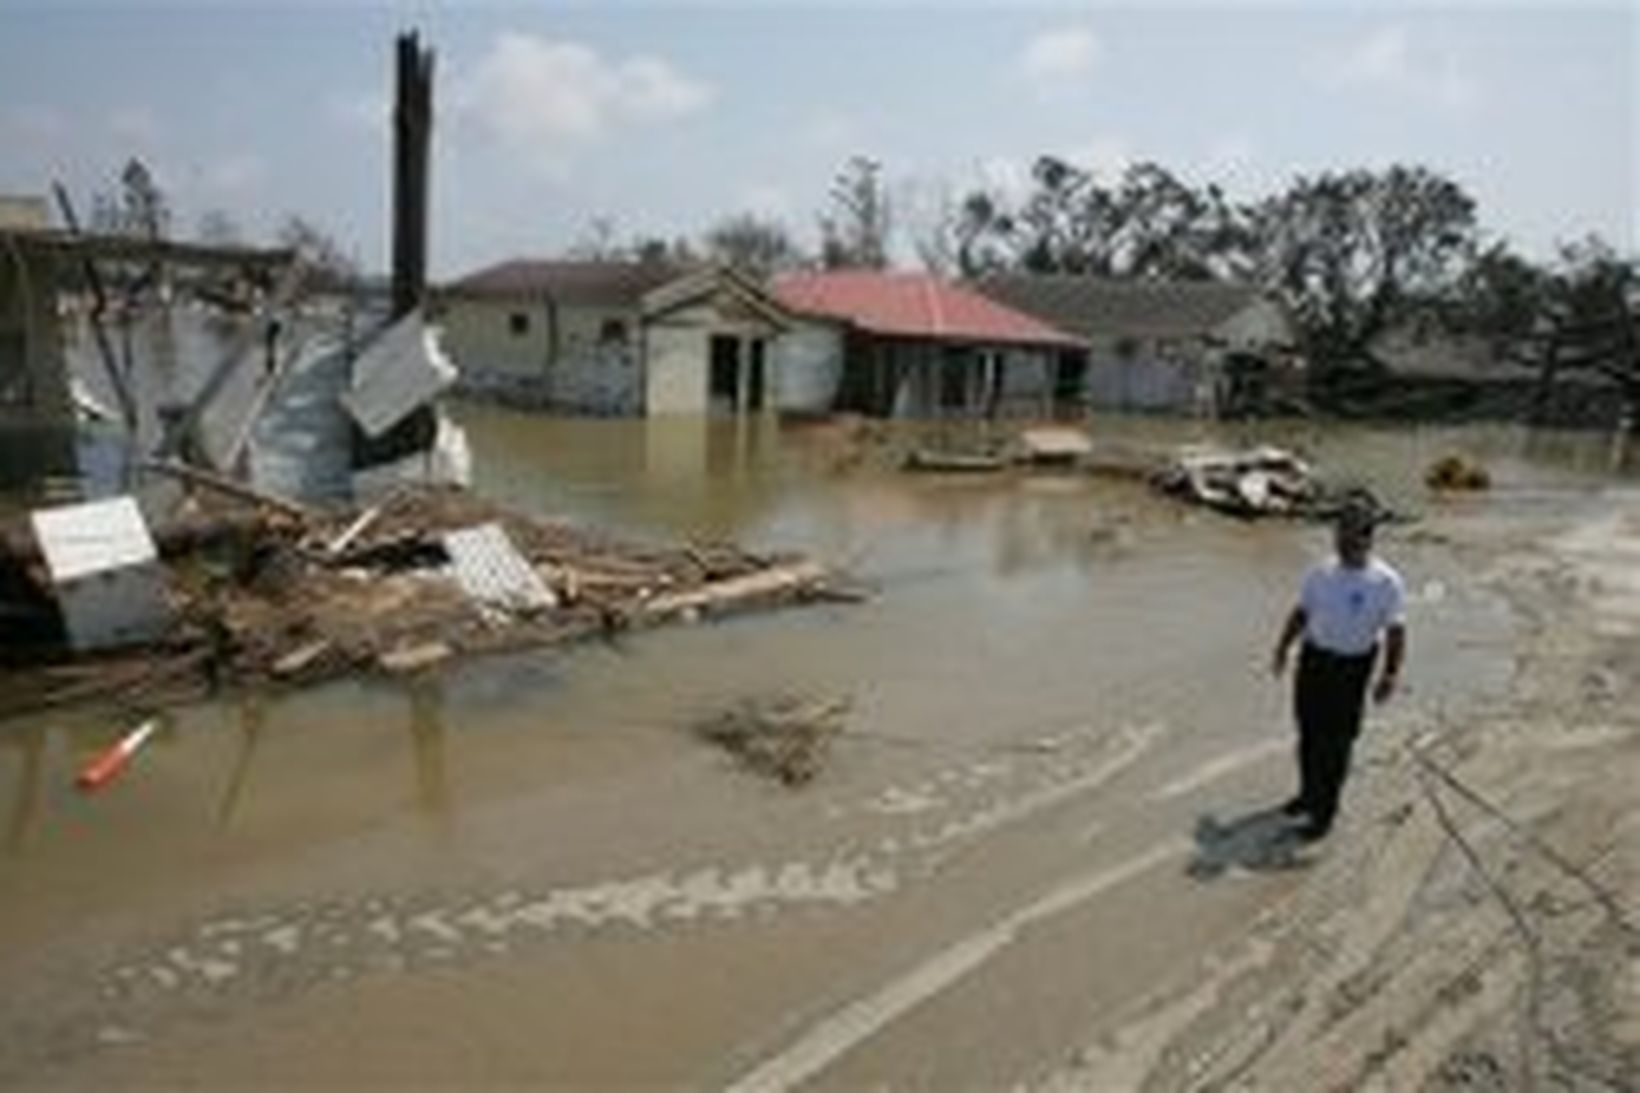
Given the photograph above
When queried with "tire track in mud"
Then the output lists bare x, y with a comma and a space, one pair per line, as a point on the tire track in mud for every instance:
837, 1034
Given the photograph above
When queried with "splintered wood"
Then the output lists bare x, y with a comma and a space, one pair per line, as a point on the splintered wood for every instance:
424, 577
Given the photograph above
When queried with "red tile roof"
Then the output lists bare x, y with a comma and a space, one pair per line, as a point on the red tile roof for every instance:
913, 305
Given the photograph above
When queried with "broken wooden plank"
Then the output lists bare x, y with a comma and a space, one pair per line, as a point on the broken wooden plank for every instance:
736, 590
359, 526
300, 658
943, 462
221, 484
1054, 445
99, 297
414, 658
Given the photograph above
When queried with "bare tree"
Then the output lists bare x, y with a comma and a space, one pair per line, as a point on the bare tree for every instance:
597, 242
138, 207
855, 233
754, 245
317, 248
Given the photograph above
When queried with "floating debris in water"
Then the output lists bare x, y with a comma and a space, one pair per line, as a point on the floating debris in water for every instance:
782, 737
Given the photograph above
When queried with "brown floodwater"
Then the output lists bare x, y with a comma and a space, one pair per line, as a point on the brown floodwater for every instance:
528, 871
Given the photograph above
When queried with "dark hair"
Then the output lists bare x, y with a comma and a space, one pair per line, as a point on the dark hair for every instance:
1359, 512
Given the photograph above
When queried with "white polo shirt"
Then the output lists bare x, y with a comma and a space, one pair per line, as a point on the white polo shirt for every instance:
1346, 609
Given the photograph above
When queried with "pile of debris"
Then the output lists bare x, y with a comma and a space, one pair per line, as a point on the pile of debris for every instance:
1247, 483
243, 590
1262, 481
783, 737
1259, 482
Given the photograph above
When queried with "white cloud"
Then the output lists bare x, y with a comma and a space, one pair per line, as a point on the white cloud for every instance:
1389, 61
767, 199
134, 125
234, 174
1061, 57
359, 110
37, 125
543, 97
831, 132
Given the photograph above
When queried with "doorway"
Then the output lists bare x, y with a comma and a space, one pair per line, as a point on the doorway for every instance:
756, 380
723, 384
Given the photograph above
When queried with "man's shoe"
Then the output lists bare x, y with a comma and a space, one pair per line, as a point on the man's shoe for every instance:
1295, 808
1311, 832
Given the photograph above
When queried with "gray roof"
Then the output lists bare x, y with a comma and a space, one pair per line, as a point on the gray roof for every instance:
594, 284
1101, 307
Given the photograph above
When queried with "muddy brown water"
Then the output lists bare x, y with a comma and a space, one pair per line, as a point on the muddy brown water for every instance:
527, 871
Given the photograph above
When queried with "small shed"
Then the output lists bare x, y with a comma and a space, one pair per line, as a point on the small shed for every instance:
104, 571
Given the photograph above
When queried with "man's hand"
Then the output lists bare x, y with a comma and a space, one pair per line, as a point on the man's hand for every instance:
1383, 689
1290, 631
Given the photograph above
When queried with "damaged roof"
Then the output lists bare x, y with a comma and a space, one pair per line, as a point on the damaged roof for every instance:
914, 305
587, 284
1106, 307
131, 248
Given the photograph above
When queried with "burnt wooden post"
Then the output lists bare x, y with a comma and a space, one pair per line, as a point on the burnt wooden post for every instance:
412, 131
412, 134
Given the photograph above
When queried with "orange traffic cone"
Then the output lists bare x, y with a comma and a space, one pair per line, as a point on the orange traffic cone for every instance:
105, 765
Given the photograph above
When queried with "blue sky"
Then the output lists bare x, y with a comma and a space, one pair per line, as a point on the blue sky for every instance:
664, 117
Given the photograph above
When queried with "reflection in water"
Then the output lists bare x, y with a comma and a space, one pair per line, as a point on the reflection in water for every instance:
31, 741
427, 744
253, 715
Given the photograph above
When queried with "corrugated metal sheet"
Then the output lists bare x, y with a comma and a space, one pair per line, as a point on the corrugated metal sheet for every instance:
492, 572
94, 537
399, 371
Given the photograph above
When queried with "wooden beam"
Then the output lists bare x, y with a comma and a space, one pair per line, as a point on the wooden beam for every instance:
99, 296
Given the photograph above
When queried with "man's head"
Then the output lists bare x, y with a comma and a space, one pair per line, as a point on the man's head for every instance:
1352, 533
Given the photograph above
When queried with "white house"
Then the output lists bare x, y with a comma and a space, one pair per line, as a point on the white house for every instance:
1185, 346
614, 338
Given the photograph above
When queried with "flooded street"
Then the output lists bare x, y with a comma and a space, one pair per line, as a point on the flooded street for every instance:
528, 871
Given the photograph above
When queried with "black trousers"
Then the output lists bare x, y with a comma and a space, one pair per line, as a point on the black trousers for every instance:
1328, 695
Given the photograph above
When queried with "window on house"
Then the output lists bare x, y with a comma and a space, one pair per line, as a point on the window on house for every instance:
613, 332
518, 323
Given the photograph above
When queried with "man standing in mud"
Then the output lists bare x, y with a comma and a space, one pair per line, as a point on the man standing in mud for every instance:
1347, 607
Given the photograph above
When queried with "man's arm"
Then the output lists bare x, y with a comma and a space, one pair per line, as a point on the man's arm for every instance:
1290, 631
1395, 651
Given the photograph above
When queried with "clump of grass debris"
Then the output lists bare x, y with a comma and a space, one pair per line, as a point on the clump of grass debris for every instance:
1457, 472
783, 737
